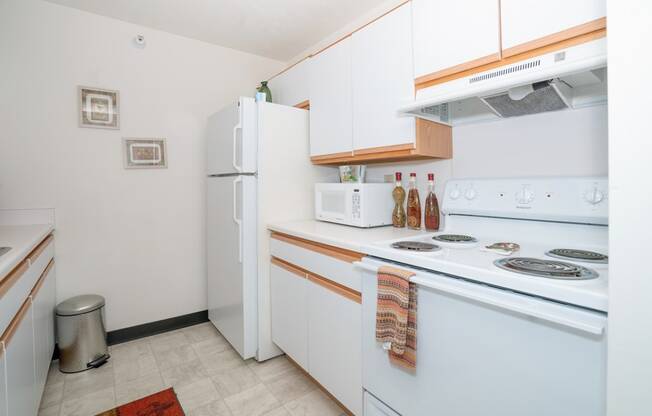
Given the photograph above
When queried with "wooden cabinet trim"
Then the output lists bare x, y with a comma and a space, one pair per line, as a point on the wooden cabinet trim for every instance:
15, 323
570, 33
304, 105
507, 60
41, 279
330, 251
335, 287
341, 155
381, 149
290, 267
34, 255
12, 277
424, 79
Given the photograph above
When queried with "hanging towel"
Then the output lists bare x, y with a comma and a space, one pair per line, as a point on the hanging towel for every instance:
396, 315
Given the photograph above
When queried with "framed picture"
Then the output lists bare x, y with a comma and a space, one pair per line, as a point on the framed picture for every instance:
144, 153
99, 108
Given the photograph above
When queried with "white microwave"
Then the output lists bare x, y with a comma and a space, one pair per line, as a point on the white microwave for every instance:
357, 204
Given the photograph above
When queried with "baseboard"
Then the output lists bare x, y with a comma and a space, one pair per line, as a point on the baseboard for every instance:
131, 333
153, 328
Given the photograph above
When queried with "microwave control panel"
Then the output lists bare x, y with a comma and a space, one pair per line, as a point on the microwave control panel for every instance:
355, 206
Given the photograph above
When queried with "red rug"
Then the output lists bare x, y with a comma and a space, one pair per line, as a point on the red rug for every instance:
163, 403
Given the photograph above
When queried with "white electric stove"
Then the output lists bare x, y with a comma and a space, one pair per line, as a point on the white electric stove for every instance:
515, 331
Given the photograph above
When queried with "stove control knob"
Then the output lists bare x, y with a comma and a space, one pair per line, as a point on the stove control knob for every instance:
470, 194
594, 196
525, 195
455, 193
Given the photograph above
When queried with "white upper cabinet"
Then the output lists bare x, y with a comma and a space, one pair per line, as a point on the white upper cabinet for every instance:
331, 112
451, 33
383, 80
525, 21
292, 87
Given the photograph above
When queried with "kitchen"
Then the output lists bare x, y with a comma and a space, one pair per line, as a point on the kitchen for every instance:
155, 242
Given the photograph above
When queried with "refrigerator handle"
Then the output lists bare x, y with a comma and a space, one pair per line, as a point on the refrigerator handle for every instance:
235, 147
237, 220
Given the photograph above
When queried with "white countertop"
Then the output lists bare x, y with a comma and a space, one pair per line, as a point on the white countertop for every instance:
343, 236
22, 239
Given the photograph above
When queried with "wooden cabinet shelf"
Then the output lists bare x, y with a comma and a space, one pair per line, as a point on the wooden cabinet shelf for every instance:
433, 141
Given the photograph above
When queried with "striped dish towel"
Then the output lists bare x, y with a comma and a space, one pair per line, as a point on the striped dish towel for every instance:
396, 316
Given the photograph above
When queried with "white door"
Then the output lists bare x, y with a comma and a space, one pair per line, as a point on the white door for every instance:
231, 260
382, 52
450, 33
331, 111
19, 356
231, 142
289, 297
3, 382
529, 20
292, 87
334, 345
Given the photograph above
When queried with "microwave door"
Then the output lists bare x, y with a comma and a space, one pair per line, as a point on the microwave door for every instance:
333, 205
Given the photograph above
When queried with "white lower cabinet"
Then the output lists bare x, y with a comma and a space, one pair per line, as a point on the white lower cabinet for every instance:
289, 293
21, 380
334, 344
3, 381
43, 304
374, 407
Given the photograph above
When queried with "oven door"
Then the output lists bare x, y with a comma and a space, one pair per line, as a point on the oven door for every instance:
482, 350
333, 203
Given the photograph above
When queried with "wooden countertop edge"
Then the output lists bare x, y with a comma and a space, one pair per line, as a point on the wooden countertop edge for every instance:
339, 253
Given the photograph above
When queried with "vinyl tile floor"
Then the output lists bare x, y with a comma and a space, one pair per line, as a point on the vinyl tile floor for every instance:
209, 377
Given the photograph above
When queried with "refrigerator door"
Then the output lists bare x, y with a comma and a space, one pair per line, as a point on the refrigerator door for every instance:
232, 260
232, 142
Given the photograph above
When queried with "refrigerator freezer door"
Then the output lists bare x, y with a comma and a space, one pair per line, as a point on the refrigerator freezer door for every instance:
232, 260
232, 141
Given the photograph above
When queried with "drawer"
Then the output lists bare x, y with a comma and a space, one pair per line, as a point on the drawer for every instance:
19, 283
333, 263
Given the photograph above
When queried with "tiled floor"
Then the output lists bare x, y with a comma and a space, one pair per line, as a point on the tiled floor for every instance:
209, 377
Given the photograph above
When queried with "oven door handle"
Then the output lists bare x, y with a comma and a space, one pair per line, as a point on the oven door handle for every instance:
576, 318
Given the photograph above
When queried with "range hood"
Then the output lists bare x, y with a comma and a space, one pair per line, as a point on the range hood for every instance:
565, 79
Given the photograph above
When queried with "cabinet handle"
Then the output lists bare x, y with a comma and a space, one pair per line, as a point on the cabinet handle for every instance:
12, 278
34, 255
15, 323
336, 288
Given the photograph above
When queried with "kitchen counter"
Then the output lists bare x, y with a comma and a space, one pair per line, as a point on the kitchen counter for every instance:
343, 236
22, 239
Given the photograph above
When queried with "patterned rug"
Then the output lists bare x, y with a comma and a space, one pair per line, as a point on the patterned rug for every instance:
163, 403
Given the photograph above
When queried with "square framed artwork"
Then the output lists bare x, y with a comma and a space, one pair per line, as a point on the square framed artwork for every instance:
99, 108
144, 153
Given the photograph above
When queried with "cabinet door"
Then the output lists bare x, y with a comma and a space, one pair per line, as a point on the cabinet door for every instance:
334, 344
383, 80
20, 365
43, 310
3, 382
289, 293
292, 87
331, 112
526, 21
449, 34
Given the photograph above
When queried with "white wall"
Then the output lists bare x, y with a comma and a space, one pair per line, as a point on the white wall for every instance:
548, 144
133, 236
630, 156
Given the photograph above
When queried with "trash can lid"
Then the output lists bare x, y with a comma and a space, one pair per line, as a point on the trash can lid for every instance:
79, 305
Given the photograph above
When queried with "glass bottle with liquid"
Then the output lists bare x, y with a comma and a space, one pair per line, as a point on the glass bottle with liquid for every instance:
413, 204
431, 215
398, 215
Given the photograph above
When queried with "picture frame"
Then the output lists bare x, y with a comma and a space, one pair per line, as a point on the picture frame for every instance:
144, 153
99, 108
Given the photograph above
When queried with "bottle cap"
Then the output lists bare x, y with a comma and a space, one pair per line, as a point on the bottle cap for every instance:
431, 176
399, 175
413, 175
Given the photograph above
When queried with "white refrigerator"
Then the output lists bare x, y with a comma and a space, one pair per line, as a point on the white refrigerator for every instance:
258, 171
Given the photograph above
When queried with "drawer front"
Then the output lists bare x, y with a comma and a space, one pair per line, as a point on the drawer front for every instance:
374, 407
330, 262
23, 278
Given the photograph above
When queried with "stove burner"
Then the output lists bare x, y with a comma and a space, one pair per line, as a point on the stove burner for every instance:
455, 238
546, 268
415, 246
579, 255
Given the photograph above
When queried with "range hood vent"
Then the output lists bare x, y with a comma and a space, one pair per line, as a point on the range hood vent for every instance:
572, 78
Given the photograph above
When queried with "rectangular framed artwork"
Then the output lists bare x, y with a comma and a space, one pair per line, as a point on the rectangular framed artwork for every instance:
99, 108
144, 153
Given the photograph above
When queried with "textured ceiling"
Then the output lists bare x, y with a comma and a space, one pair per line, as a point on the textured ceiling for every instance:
278, 29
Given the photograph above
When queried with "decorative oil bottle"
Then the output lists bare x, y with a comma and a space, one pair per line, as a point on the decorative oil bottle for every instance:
413, 204
431, 215
398, 215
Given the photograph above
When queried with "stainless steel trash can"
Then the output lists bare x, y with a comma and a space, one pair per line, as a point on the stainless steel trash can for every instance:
81, 333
